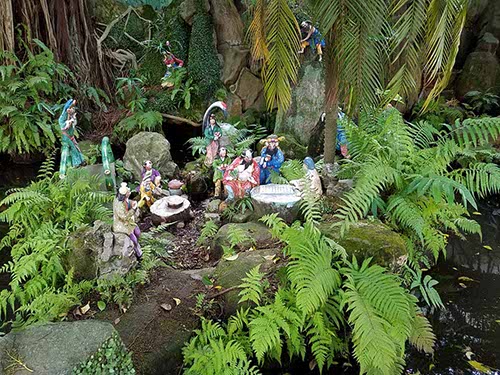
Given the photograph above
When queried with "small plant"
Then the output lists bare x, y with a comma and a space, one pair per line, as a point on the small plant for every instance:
131, 93
424, 288
481, 102
207, 232
185, 92
140, 121
236, 236
111, 358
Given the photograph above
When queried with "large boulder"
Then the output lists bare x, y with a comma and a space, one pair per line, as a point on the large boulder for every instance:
257, 231
235, 59
54, 348
249, 89
149, 146
98, 252
187, 10
369, 239
273, 198
86, 244
228, 24
229, 273
482, 69
198, 179
307, 103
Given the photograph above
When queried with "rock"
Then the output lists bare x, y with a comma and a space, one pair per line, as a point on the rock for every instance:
180, 225
212, 216
197, 178
213, 206
248, 88
156, 336
369, 239
149, 146
228, 24
230, 273
98, 170
171, 209
228, 132
481, 69
259, 232
234, 59
234, 105
187, 10
307, 104
242, 217
117, 256
340, 188
86, 244
199, 274
273, 198
329, 178
54, 348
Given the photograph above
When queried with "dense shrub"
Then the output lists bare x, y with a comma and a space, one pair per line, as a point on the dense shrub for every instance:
204, 66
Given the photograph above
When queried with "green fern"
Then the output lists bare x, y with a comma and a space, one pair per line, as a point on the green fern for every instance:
252, 286
208, 231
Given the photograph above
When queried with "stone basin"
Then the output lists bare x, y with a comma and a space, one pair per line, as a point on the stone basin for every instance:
275, 198
171, 209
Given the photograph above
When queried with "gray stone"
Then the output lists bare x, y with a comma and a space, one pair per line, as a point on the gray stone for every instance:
259, 232
54, 348
98, 170
149, 146
234, 59
242, 217
369, 239
307, 104
273, 198
248, 88
86, 244
213, 206
228, 24
117, 256
197, 178
234, 105
212, 216
228, 132
340, 188
229, 273
488, 43
187, 10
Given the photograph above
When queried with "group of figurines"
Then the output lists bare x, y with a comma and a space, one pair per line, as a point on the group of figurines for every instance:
234, 179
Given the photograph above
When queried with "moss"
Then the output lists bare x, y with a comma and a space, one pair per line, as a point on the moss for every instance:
369, 239
162, 102
152, 67
204, 67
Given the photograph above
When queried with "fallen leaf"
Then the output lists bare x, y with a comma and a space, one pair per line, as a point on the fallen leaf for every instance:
177, 301
234, 257
465, 278
456, 269
269, 257
462, 285
206, 281
469, 355
166, 306
85, 308
498, 321
117, 320
101, 305
476, 213
424, 269
480, 367
487, 247
218, 287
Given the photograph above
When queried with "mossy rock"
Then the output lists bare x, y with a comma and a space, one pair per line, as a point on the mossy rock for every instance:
367, 239
229, 273
257, 231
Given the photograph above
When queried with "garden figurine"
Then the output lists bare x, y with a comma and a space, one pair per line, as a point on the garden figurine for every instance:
220, 164
241, 176
311, 178
313, 38
171, 62
150, 184
271, 159
212, 134
125, 213
67, 123
342, 143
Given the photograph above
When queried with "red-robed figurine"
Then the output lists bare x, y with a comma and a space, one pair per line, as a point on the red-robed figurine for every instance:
241, 176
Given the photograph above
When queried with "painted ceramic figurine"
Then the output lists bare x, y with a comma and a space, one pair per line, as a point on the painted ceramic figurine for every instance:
212, 131
241, 176
271, 159
313, 38
124, 217
150, 184
67, 123
220, 164
172, 63
312, 178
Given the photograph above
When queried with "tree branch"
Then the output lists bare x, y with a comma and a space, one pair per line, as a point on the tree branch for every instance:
181, 119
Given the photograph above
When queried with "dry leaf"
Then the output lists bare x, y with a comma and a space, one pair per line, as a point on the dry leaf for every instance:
85, 308
117, 320
269, 257
476, 213
469, 355
218, 287
166, 306
177, 301
234, 257
462, 285
487, 247
465, 278
456, 269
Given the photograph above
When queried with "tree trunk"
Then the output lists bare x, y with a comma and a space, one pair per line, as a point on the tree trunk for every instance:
6, 26
331, 102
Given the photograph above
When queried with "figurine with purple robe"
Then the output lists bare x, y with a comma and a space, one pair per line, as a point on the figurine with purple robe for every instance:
150, 184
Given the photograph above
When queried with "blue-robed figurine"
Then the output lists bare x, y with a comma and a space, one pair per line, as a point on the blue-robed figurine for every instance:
67, 124
271, 158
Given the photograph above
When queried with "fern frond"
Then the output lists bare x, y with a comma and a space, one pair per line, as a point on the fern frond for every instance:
252, 286
422, 336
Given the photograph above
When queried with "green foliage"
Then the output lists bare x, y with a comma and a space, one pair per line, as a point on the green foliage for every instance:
111, 358
292, 170
413, 176
138, 122
482, 102
236, 235
204, 66
29, 92
185, 90
40, 218
438, 112
156, 4
425, 288
130, 91
208, 231
321, 294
